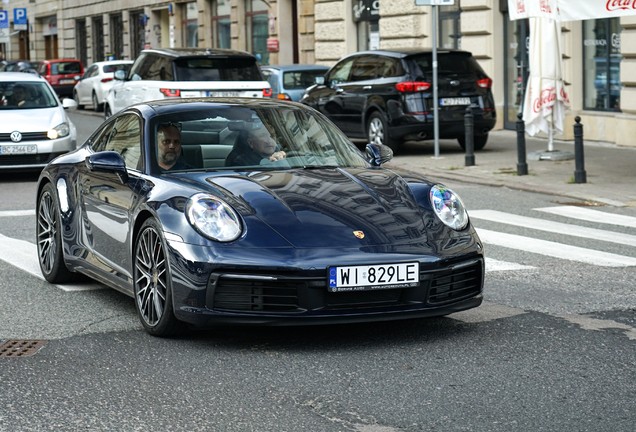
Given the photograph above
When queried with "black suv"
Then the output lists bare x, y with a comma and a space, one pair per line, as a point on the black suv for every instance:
387, 96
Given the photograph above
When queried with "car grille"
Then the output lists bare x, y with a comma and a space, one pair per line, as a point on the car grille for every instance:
32, 159
26, 136
294, 295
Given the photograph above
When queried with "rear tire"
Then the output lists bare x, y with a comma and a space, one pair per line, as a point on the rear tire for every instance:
76, 97
96, 105
479, 142
378, 131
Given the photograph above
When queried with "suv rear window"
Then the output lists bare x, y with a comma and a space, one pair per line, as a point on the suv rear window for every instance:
65, 68
454, 62
217, 69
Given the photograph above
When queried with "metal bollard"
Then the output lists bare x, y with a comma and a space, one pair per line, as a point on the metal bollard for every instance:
470, 143
522, 166
579, 159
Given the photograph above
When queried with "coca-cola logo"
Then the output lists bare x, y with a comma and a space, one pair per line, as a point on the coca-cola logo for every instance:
564, 96
615, 5
547, 96
521, 7
545, 6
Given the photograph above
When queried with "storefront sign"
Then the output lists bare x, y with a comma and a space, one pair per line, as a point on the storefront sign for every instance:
570, 10
366, 10
49, 26
272, 44
434, 2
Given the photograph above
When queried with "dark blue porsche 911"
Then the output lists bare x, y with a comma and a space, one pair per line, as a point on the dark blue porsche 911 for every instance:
252, 211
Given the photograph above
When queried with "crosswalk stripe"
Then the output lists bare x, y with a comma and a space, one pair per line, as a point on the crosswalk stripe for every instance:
24, 255
10, 213
555, 227
556, 250
496, 265
590, 215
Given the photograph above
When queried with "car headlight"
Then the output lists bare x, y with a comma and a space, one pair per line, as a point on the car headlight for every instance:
213, 218
448, 207
58, 131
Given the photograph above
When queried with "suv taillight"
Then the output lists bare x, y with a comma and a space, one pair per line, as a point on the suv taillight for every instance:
107, 79
267, 92
170, 92
485, 83
412, 86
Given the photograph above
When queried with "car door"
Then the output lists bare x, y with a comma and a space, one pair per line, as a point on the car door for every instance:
107, 201
356, 92
129, 91
85, 85
328, 98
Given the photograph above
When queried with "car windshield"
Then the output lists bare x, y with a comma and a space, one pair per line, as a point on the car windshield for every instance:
217, 69
116, 67
300, 80
65, 68
26, 95
247, 138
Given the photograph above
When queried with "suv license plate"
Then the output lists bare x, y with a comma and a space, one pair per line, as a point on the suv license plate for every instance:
454, 101
223, 94
373, 277
18, 149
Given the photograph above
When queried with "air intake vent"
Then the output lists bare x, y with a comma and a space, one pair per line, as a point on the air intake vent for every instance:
455, 284
256, 295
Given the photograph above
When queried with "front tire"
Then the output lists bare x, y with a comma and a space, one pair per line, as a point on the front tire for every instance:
378, 131
97, 107
479, 142
49, 238
153, 283
77, 99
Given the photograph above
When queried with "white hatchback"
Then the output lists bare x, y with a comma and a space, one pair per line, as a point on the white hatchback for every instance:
187, 73
96, 81
34, 128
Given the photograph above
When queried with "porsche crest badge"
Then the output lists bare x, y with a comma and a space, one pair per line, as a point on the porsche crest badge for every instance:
358, 234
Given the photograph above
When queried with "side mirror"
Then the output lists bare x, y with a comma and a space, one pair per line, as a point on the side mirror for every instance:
120, 75
69, 103
108, 161
320, 80
377, 154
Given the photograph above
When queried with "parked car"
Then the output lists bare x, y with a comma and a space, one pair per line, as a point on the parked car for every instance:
34, 128
187, 72
387, 96
289, 82
253, 211
19, 66
62, 74
92, 88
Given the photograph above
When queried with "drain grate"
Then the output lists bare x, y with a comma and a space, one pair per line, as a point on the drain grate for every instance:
20, 348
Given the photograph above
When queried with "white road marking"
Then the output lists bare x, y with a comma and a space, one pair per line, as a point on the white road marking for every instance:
496, 265
556, 250
555, 227
12, 213
590, 215
24, 255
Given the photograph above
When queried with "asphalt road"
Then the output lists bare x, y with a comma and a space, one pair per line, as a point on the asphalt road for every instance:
552, 348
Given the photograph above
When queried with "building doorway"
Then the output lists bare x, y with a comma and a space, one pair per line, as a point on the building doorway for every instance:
516, 71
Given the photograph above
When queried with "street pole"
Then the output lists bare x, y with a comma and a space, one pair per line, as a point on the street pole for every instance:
435, 98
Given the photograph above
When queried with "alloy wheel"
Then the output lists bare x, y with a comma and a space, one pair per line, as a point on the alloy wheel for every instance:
47, 232
376, 131
151, 284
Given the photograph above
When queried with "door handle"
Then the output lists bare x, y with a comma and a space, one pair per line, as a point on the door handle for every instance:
367, 87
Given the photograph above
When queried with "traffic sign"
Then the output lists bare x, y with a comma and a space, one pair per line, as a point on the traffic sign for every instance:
4, 19
434, 2
20, 19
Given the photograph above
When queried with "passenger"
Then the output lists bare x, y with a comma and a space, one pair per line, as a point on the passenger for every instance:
21, 97
169, 147
260, 145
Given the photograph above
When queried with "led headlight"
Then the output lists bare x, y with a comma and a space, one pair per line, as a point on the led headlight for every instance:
58, 131
448, 207
213, 218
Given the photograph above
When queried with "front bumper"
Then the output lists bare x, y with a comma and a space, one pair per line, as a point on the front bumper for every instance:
47, 150
296, 293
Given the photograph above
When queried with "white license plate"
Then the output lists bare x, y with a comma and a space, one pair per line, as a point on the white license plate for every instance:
454, 101
223, 94
18, 149
373, 277
67, 81
192, 94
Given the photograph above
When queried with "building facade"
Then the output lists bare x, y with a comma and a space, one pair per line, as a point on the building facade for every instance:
599, 56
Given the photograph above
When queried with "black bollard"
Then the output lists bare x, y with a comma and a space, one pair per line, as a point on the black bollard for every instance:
522, 166
579, 159
470, 143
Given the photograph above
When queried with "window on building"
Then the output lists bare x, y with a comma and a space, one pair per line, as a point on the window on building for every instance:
138, 33
116, 36
80, 41
366, 15
257, 31
221, 36
449, 27
602, 61
190, 24
97, 24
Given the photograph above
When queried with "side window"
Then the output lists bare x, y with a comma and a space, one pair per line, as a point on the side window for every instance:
388, 68
364, 68
125, 139
42, 69
94, 71
101, 138
160, 69
142, 66
340, 73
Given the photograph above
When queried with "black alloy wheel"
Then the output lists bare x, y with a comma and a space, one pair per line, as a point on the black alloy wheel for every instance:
378, 131
77, 99
49, 238
479, 142
97, 107
153, 284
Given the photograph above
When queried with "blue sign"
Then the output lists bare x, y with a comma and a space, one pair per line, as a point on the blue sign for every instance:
19, 16
4, 19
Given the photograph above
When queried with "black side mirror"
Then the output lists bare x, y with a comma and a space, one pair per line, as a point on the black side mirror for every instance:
108, 161
377, 154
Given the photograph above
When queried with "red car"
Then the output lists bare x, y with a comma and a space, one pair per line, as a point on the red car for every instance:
62, 74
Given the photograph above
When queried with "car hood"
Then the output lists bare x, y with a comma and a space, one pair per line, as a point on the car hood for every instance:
31, 120
327, 207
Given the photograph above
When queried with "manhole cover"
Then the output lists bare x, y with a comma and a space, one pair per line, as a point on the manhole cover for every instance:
20, 348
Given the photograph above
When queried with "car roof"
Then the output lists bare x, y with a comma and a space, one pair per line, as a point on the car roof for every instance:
166, 106
20, 76
59, 61
197, 52
293, 67
109, 62
405, 52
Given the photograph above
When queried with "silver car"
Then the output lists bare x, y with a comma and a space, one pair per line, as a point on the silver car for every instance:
34, 128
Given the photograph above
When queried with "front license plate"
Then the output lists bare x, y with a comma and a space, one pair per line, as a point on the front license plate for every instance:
18, 149
454, 101
67, 81
223, 94
373, 277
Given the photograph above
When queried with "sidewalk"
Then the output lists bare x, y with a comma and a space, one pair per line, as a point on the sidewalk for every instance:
610, 169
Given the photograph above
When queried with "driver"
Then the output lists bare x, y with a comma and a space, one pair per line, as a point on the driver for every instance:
169, 147
261, 146
21, 96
